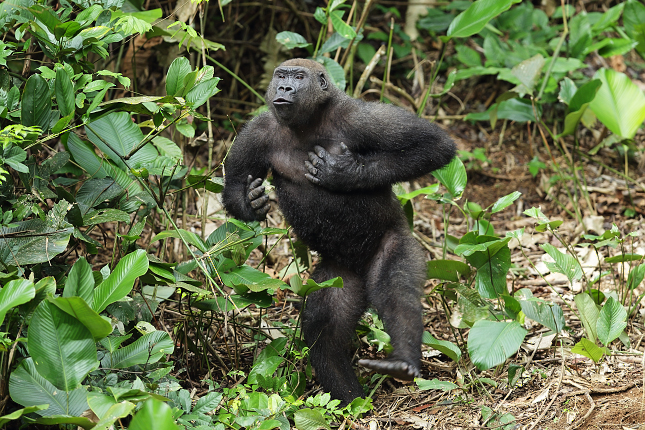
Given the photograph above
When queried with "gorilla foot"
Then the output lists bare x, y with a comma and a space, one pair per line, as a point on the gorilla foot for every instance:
400, 369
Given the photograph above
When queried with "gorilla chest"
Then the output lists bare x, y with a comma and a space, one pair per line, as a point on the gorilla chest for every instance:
288, 160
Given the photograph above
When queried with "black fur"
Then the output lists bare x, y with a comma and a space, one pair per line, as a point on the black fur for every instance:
333, 160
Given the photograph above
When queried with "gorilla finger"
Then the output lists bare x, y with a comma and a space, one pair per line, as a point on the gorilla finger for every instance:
311, 168
256, 183
254, 193
248, 181
320, 151
258, 203
312, 179
314, 159
263, 210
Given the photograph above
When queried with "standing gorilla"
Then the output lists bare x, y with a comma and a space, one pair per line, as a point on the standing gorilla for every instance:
334, 160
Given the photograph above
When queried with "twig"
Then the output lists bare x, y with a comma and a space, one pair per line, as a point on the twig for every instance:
583, 419
368, 71
555, 393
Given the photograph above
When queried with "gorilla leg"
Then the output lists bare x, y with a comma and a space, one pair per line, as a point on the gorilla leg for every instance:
329, 321
395, 282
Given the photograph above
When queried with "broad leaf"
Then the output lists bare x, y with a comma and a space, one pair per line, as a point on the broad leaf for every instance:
201, 92
547, 314
246, 278
340, 26
77, 307
491, 343
20, 412
505, 202
447, 270
36, 103
177, 71
303, 290
453, 177
145, 350
448, 348
154, 414
28, 388
266, 368
474, 19
589, 350
291, 40
310, 419
80, 281
588, 314
619, 104
121, 280
15, 293
612, 320
435, 384
64, 93
564, 263
63, 350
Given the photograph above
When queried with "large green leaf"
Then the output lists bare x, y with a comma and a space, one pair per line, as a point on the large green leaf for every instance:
20, 412
589, 349
578, 105
154, 414
77, 307
310, 419
634, 20
291, 40
177, 71
612, 320
491, 343
564, 263
116, 135
121, 280
435, 384
453, 177
36, 103
588, 314
547, 314
448, 348
15, 293
63, 350
619, 103
474, 19
246, 278
80, 281
33, 241
28, 388
447, 270
145, 350
341, 26
304, 289
64, 93
201, 92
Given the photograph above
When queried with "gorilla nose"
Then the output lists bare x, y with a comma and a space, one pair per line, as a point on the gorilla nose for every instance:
285, 88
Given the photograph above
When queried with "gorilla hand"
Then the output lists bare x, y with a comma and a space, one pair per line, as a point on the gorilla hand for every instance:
337, 172
258, 199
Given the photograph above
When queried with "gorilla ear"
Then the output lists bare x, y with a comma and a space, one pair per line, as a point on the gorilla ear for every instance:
323, 81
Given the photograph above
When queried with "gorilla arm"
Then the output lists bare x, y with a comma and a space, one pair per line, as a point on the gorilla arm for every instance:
244, 196
385, 144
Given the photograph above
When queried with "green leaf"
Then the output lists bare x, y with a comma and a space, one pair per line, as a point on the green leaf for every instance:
634, 278
336, 72
491, 343
291, 40
28, 388
116, 411
448, 348
303, 290
154, 414
201, 92
15, 293
435, 384
528, 73
20, 412
207, 403
44, 241
612, 320
246, 278
564, 263
145, 350
310, 419
447, 270
121, 280
634, 20
168, 148
63, 350
547, 314
588, 349
453, 176
96, 191
190, 237
588, 314
505, 202
177, 71
80, 282
64, 89
567, 90
340, 26
578, 105
474, 19
619, 103
77, 307
53, 420
265, 368
621, 258
36, 103
105, 215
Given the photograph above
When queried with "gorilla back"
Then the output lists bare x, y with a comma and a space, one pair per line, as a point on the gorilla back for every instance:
334, 160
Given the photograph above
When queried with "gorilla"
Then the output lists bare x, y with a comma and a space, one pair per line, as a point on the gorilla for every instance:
333, 160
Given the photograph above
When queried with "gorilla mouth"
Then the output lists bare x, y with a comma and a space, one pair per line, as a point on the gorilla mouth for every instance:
282, 101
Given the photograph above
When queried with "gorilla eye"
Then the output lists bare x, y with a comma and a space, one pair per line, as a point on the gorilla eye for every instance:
299, 77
